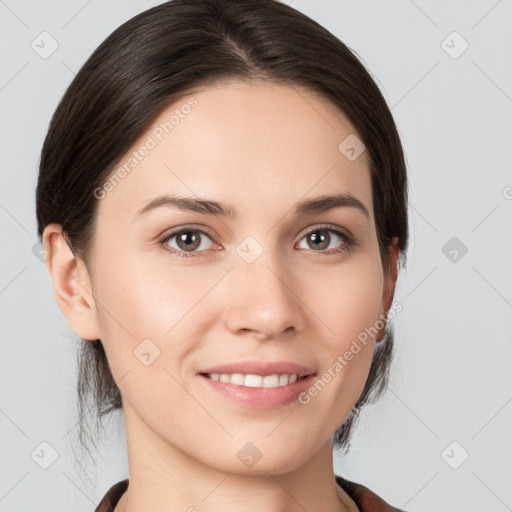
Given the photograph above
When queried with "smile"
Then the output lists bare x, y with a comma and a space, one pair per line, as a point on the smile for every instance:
258, 384
255, 381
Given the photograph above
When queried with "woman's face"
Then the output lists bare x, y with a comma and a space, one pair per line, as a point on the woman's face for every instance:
270, 283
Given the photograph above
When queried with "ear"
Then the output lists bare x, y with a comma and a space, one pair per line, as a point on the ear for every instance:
389, 286
71, 284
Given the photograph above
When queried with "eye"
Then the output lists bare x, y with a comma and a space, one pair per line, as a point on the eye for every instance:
188, 240
322, 237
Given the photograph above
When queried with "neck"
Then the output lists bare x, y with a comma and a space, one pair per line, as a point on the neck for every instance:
163, 478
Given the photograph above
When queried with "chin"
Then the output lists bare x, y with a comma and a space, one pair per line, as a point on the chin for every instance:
253, 455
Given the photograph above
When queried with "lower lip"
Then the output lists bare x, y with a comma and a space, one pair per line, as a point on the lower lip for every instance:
260, 398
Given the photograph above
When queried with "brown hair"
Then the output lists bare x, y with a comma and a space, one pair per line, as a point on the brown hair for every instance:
162, 54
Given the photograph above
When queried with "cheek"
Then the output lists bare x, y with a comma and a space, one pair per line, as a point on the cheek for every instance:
159, 313
179, 307
347, 302
163, 303
150, 315
347, 299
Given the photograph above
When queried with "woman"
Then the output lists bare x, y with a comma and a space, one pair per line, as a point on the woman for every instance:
222, 199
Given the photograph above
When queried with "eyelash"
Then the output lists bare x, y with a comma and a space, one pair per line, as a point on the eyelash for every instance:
348, 246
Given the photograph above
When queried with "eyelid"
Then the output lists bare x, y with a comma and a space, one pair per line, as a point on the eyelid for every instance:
350, 241
188, 227
207, 231
317, 227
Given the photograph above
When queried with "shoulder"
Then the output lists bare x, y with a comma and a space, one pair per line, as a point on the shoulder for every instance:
113, 495
364, 498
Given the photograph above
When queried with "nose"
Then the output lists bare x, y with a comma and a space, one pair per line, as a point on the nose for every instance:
263, 298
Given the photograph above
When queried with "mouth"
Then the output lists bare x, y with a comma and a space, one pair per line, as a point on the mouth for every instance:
255, 381
257, 384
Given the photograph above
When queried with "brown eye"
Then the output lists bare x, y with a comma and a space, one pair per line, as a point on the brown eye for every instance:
321, 239
187, 240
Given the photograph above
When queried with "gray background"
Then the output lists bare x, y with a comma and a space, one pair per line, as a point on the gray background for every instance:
451, 378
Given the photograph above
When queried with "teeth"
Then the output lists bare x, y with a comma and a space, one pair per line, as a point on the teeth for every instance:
255, 381
236, 378
271, 381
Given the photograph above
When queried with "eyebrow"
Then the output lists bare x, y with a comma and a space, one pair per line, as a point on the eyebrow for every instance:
210, 207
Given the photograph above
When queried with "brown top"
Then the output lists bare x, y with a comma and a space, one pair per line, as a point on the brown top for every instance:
366, 500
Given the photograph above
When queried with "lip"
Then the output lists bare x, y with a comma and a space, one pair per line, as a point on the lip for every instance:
261, 368
260, 398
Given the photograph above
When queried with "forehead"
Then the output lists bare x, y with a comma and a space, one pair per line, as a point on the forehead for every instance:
245, 144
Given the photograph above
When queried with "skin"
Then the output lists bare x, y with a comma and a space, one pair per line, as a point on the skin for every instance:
261, 148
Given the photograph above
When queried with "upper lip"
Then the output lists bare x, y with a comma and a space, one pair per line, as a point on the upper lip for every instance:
262, 368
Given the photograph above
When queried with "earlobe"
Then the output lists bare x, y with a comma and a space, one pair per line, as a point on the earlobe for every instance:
71, 284
389, 284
